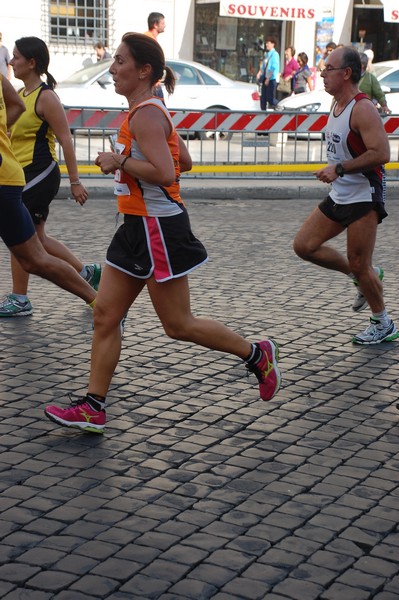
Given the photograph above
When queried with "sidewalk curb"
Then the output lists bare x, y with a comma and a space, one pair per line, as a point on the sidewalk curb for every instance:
232, 190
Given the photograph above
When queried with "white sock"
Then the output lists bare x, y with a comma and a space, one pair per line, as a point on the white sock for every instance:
21, 297
382, 317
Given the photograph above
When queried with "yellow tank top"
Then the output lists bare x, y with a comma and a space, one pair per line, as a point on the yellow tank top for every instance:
32, 139
11, 172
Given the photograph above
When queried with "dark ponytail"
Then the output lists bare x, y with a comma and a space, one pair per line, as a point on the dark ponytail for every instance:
51, 82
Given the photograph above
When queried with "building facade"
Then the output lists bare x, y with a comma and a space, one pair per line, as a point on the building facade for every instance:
230, 35
226, 35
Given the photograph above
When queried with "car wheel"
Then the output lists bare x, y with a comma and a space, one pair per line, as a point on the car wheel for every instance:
218, 135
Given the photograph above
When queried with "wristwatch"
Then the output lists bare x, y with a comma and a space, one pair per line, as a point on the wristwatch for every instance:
339, 169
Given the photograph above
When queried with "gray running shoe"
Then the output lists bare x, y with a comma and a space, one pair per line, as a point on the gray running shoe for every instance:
360, 302
10, 306
377, 333
93, 275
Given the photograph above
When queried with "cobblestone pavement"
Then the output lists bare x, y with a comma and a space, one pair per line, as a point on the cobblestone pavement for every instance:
198, 489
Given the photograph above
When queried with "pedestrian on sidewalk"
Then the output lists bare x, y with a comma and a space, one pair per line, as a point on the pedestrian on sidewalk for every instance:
370, 85
357, 148
156, 25
302, 80
33, 139
284, 87
16, 226
101, 51
155, 247
267, 75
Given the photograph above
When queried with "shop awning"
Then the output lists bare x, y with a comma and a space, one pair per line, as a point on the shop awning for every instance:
280, 10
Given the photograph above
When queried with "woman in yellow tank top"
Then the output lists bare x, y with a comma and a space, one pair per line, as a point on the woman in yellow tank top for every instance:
16, 226
33, 142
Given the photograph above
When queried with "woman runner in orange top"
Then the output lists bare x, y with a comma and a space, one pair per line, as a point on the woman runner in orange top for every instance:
155, 247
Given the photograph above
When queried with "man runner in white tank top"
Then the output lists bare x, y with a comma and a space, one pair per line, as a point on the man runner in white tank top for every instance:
357, 149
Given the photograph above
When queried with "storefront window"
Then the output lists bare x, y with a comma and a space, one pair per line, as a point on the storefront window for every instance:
229, 45
370, 31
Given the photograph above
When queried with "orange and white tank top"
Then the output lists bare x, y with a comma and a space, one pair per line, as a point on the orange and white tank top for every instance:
138, 197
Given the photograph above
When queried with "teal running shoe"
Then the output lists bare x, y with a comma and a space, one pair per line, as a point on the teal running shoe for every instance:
93, 275
11, 306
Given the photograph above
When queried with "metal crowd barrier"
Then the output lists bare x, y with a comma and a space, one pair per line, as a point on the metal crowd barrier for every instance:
225, 144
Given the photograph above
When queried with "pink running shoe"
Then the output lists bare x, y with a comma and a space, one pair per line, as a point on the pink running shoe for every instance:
79, 414
266, 370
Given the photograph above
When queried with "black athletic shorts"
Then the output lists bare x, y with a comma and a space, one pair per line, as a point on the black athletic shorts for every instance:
164, 247
40, 191
16, 225
345, 214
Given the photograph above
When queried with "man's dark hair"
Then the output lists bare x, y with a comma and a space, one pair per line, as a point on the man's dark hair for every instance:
351, 59
154, 18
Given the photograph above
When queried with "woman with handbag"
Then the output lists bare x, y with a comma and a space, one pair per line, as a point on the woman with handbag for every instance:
267, 76
284, 87
303, 76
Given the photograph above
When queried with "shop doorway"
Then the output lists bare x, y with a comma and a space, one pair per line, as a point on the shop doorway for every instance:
370, 31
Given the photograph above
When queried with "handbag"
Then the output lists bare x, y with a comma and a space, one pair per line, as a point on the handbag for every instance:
284, 86
261, 79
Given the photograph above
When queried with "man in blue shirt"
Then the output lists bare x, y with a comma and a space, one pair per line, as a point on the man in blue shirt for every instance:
267, 76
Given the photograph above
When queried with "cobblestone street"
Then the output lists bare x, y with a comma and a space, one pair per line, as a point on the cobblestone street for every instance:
198, 489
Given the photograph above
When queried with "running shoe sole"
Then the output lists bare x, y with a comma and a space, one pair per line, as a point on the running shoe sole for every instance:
22, 313
275, 358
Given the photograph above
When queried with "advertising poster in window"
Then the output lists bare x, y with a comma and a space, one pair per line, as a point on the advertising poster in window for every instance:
324, 35
226, 34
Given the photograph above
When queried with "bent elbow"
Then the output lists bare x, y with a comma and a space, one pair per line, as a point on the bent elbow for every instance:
186, 166
165, 181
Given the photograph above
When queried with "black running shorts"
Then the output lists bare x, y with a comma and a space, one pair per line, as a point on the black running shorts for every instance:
164, 247
345, 214
40, 191
16, 225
